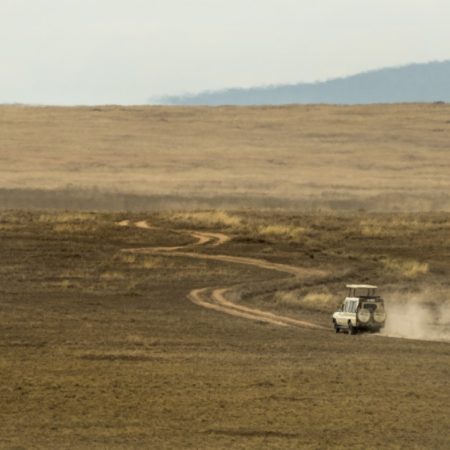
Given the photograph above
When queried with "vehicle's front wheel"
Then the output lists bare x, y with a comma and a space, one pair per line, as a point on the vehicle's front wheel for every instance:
336, 327
351, 328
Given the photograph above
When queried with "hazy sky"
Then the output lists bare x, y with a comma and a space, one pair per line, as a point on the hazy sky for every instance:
127, 51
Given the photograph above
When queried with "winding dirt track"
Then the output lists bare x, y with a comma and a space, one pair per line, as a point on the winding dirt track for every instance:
215, 298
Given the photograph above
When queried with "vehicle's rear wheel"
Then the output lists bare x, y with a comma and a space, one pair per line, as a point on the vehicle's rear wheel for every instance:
351, 328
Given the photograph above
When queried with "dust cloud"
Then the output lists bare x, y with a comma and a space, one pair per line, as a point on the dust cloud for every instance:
424, 316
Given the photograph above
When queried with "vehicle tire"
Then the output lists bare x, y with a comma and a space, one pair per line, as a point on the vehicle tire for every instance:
351, 329
336, 326
364, 316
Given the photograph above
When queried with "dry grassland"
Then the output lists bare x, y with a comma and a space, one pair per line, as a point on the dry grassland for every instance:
380, 157
102, 349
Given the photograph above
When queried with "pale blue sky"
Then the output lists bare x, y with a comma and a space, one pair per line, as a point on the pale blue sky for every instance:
126, 51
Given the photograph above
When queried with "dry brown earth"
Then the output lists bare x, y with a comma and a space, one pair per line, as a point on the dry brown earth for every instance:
100, 348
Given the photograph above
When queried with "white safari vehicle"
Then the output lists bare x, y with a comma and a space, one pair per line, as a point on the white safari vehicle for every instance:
362, 310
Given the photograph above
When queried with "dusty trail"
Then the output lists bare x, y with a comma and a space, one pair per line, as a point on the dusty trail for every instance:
215, 298
204, 296
214, 239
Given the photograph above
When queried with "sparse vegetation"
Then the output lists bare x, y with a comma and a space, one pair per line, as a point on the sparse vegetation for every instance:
112, 275
68, 218
290, 232
409, 224
100, 348
312, 300
207, 219
406, 268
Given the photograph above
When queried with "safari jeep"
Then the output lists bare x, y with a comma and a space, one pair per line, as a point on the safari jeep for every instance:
361, 310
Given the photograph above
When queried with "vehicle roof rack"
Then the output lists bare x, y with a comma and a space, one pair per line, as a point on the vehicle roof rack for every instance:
361, 286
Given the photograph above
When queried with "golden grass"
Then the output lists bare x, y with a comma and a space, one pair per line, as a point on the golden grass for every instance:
277, 231
152, 262
400, 225
68, 218
211, 219
10, 218
373, 229
319, 300
7, 226
13, 268
332, 156
409, 269
128, 258
65, 284
322, 301
112, 275
74, 272
74, 227
71, 222
144, 262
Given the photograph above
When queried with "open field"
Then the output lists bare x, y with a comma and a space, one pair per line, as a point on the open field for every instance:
101, 348
380, 157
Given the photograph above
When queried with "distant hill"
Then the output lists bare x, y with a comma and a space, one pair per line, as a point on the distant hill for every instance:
428, 82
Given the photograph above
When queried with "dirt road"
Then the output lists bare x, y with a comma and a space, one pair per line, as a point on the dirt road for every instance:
214, 298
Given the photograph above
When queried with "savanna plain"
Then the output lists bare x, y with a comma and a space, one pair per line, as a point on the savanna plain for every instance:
192, 308
101, 348
381, 157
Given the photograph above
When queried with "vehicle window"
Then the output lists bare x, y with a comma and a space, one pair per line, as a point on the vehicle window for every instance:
370, 306
354, 306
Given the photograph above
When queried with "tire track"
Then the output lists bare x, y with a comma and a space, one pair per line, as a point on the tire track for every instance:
215, 298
